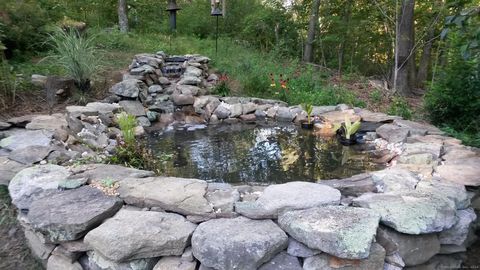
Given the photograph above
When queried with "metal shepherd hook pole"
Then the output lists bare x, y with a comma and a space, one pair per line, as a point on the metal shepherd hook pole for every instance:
217, 12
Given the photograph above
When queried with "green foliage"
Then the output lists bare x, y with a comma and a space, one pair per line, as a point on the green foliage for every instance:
467, 137
222, 89
308, 108
11, 83
376, 96
107, 182
329, 95
399, 106
76, 54
127, 123
350, 128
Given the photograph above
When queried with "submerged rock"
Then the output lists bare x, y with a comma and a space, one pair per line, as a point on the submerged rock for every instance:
344, 232
238, 243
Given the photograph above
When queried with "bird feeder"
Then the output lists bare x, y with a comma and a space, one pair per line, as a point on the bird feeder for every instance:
172, 8
216, 12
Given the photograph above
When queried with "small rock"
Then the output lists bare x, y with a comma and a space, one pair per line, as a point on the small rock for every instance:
4, 125
174, 263
190, 80
298, 249
222, 111
143, 121
128, 88
284, 115
133, 107
182, 100
59, 262
457, 235
8, 169
393, 133
283, 261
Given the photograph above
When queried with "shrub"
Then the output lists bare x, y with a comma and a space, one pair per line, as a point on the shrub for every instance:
76, 54
400, 107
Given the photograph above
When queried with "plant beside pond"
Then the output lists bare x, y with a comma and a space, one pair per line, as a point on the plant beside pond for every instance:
281, 88
308, 108
347, 131
132, 152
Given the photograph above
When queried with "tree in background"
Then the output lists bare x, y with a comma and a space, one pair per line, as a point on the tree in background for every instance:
122, 16
404, 73
312, 28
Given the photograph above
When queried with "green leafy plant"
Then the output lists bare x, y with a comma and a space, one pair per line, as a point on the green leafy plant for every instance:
376, 96
308, 107
222, 88
127, 124
77, 54
107, 182
350, 128
400, 107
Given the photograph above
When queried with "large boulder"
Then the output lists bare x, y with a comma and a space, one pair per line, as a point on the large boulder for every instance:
463, 171
411, 212
327, 262
153, 234
127, 88
181, 195
289, 196
238, 243
418, 129
69, 215
394, 179
99, 172
393, 133
30, 154
344, 232
455, 192
27, 138
49, 122
31, 182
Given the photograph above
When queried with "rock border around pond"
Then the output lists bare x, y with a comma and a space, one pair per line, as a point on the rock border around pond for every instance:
369, 221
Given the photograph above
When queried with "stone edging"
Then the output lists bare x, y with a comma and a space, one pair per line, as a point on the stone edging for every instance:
375, 219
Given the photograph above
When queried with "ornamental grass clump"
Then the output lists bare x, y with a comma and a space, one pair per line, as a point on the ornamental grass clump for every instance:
77, 54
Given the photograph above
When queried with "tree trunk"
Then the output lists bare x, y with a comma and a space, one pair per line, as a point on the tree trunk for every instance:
343, 43
404, 49
426, 57
308, 53
224, 8
122, 16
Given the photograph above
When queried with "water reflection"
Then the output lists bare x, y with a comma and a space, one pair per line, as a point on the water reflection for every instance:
249, 153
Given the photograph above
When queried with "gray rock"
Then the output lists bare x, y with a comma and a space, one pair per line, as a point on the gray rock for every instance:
97, 262
418, 129
164, 81
142, 70
344, 232
8, 169
260, 114
283, 261
355, 185
133, 107
143, 121
31, 182
30, 154
192, 71
236, 110
59, 262
48, 122
440, 262
414, 249
68, 215
190, 80
249, 107
369, 116
411, 212
181, 195
298, 249
394, 179
284, 114
289, 196
174, 263
455, 192
238, 243
4, 125
182, 100
457, 235
128, 88
393, 133
222, 111
452, 249
222, 198
72, 183
27, 138
104, 108
119, 239
188, 89
99, 172
39, 249
464, 171
327, 262
21, 121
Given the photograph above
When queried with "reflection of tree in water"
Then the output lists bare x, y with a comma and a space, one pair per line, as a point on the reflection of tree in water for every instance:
257, 154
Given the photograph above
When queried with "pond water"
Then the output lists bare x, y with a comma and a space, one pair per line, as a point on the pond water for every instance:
256, 154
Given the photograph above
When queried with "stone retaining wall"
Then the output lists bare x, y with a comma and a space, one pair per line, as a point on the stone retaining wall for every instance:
417, 214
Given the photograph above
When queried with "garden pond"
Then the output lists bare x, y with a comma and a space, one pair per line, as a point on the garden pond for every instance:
261, 153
